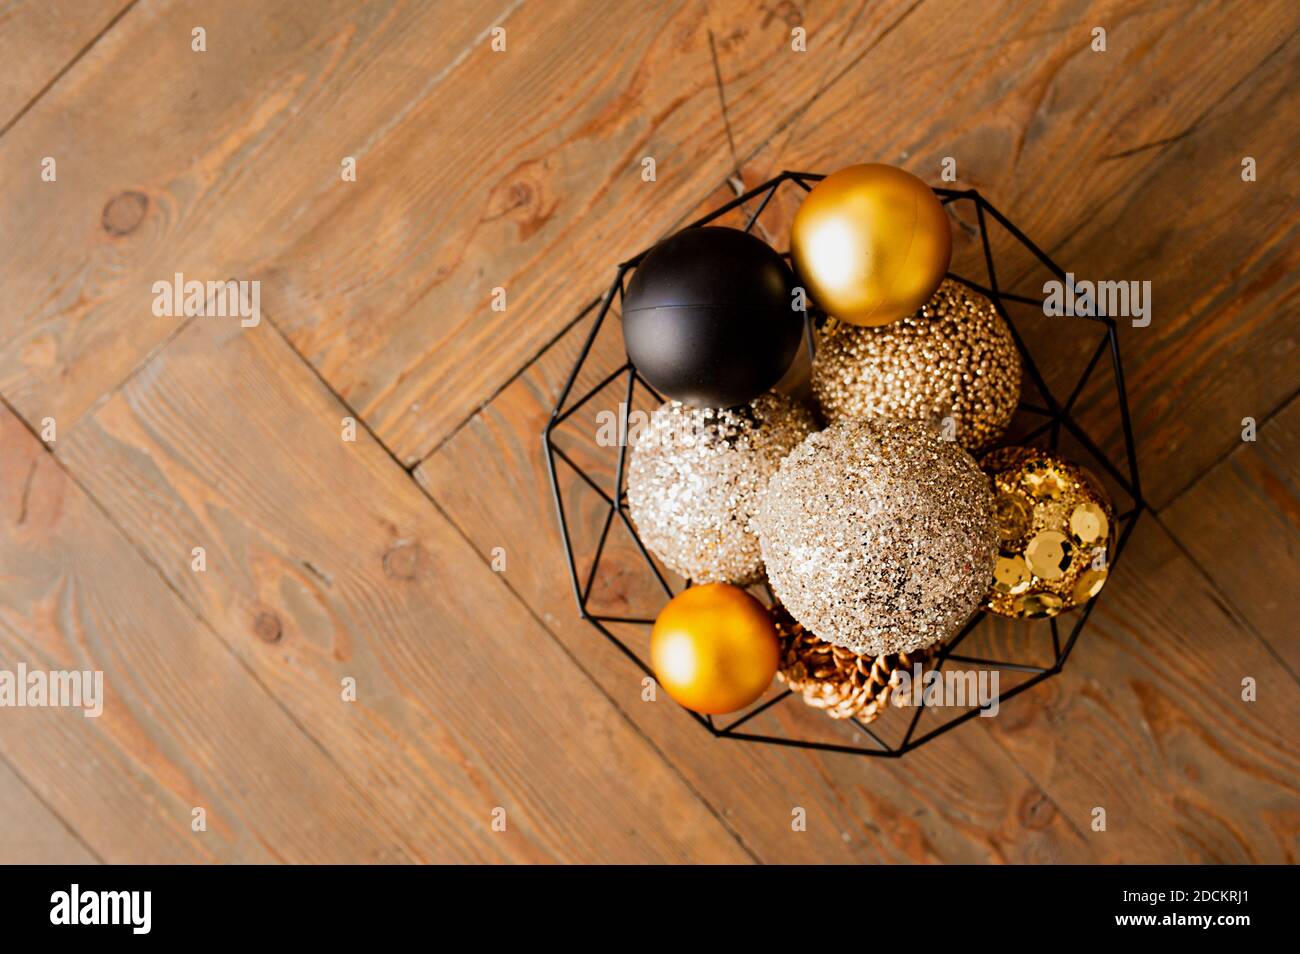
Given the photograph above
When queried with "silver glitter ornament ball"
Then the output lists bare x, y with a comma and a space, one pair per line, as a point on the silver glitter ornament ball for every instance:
878, 536
953, 360
697, 475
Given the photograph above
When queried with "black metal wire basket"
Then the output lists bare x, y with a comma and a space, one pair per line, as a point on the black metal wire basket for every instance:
1032, 653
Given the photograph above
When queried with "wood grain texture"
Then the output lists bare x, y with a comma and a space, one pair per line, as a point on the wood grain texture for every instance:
40, 38
961, 800
530, 192
521, 170
1147, 721
30, 834
1124, 165
183, 175
326, 563
1241, 523
184, 725
528, 159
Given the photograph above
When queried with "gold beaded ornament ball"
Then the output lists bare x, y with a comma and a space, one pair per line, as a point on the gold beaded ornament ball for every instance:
878, 536
1056, 533
953, 363
697, 475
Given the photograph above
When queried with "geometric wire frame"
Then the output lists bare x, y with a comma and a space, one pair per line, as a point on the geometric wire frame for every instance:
1056, 417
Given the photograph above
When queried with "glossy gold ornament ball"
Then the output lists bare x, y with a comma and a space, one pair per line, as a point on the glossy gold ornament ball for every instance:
1056, 533
871, 244
714, 648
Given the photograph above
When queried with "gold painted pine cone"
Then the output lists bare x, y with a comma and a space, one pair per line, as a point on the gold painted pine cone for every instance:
835, 679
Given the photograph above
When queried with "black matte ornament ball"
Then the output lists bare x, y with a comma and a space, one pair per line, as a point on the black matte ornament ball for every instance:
708, 317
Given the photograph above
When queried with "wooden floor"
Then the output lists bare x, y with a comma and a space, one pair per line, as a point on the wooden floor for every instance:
127, 439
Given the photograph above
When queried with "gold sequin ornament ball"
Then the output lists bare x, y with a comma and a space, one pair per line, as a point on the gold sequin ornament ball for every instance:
697, 475
844, 684
714, 648
878, 536
871, 243
953, 363
1056, 533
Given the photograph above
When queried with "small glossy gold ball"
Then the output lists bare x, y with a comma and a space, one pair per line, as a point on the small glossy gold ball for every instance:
871, 244
714, 648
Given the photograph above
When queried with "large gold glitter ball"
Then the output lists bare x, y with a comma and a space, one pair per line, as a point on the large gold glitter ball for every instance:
953, 363
697, 475
871, 243
1056, 533
878, 536
714, 648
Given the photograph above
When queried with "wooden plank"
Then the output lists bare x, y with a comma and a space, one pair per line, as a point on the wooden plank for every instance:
1123, 165
401, 329
528, 159
30, 833
1147, 722
325, 562
484, 189
1241, 523
183, 725
38, 39
1228, 297
527, 197
959, 800
155, 178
